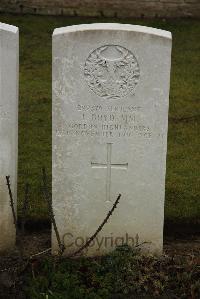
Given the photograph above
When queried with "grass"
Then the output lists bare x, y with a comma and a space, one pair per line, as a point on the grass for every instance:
122, 274
182, 180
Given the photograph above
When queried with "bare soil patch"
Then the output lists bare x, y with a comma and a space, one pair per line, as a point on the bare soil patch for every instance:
15, 266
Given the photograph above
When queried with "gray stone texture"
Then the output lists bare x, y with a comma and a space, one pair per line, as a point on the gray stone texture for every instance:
110, 118
9, 54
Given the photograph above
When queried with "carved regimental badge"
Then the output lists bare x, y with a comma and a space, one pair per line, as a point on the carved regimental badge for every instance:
112, 71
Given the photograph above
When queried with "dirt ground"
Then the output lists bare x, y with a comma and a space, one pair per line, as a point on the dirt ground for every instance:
34, 243
13, 267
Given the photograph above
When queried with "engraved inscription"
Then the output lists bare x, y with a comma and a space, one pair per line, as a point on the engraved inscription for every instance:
4, 113
107, 121
109, 165
112, 71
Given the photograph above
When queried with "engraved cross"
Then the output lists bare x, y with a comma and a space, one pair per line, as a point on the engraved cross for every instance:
109, 165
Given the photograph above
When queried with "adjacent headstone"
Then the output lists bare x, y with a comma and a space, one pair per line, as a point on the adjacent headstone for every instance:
110, 118
9, 53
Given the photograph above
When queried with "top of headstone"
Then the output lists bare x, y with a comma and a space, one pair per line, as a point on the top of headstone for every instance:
10, 28
113, 26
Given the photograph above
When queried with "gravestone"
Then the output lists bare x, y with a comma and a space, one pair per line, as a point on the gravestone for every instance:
110, 118
9, 53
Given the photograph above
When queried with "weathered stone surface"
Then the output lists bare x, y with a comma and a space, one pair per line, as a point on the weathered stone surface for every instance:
110, 116
9, 44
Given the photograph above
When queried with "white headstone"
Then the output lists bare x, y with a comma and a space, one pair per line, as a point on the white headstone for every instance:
110, 118
9, 53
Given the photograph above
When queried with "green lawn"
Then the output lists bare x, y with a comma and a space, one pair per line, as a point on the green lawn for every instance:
182, 181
